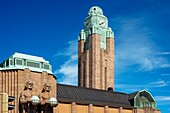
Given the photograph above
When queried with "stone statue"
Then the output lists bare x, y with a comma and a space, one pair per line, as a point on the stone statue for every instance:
27, 93
28, 99
44, 99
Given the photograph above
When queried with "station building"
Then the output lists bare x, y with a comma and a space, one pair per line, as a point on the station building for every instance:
31, 81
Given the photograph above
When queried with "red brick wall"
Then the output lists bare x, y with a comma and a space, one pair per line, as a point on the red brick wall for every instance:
13, 83
96, 65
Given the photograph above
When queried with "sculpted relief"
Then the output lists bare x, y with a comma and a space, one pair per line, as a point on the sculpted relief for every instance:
28, 99
47, 102
34, 102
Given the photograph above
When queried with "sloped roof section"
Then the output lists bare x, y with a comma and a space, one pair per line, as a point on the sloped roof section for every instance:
67, 93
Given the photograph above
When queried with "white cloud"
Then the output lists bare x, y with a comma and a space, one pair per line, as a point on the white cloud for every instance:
165, 65
165, 74
69, 68
137, 87
71, 50
134, 45
163, 53
162, 98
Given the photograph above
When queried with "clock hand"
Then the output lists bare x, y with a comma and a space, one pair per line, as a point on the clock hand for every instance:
101, 23
87, 24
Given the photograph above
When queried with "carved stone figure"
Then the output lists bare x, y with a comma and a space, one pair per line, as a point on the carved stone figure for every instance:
44, 99
45, 95
28, 99
27, 93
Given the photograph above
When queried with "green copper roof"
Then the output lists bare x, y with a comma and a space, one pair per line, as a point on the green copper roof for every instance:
144, 99
96, 23
95, 10
22, 61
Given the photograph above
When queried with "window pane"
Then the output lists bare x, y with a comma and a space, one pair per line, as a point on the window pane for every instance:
33, 64
11, 62
19, 62
7, 63
46, 66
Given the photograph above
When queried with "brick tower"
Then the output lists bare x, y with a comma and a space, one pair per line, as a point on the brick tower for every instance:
96, 52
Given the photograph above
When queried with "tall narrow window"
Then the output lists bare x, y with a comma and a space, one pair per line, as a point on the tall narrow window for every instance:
84, 76
105, 75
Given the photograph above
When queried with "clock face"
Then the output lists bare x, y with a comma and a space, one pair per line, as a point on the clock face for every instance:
87, 23
102, 23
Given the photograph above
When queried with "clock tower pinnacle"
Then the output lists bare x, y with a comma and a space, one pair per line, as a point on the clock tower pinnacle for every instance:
96, 52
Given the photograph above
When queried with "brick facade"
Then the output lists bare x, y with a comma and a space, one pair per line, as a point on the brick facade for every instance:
13, 82
96, 65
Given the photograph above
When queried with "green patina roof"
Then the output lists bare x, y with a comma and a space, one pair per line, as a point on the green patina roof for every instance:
96, 23
95, 10
22, 61
144, 99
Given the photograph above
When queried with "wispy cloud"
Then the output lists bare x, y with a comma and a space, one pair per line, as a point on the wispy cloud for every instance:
134, 45
137, 87
163, 53
162, 98
70, 50
69, 69
165, 74
165, 65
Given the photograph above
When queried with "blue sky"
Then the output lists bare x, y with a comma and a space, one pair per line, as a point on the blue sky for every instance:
50, 29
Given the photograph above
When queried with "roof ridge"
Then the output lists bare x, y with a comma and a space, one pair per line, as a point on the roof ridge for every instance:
92, 89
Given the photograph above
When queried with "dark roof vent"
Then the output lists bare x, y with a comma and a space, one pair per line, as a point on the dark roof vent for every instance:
110, 89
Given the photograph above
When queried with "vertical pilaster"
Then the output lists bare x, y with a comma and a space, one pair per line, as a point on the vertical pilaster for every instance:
7, 82
81, 71
73, 107
1, 83
133, 111
110, 49
95, 60
13, 88
16, 91
4, 102
80, 61
80, 47
90, 108
87, 76
106, 109
120, 110
102, 69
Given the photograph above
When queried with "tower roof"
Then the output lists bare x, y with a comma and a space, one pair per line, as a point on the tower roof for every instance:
95, 10
22, 61
29, 57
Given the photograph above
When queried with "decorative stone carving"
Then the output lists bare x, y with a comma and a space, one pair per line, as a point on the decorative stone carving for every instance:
27, 93
28, 99
45, 95
46, 100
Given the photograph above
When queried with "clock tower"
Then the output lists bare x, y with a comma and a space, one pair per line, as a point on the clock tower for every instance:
96, 52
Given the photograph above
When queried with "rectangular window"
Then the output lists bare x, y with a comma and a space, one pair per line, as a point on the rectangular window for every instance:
7, 63
46, 66
1, 65
11, 62
18, 62
33, 64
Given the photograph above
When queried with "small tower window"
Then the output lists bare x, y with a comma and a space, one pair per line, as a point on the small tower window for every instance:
94, 8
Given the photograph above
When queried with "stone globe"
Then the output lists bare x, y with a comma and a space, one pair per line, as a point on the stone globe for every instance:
35, 100
53, 101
